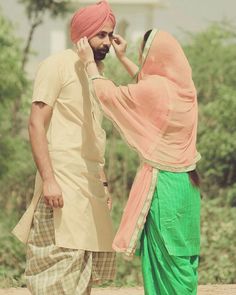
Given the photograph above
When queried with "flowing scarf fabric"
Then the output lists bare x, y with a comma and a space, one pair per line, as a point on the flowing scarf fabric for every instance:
157, 117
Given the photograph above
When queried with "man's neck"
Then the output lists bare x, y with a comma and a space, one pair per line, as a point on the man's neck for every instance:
100, 66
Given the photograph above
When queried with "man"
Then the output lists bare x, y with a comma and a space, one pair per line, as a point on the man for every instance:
67, 227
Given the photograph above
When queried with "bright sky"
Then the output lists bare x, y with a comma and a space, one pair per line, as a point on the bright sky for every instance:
190, 15
194, 15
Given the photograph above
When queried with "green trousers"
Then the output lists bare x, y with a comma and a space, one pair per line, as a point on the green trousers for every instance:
170, 241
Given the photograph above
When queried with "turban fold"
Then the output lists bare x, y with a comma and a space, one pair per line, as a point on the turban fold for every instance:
88, 21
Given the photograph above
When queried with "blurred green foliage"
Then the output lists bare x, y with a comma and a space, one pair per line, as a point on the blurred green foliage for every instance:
212, 54
218, 242
15, 159
12, 80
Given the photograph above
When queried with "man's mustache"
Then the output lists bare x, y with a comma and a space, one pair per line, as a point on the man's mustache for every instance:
104, 49
100, 53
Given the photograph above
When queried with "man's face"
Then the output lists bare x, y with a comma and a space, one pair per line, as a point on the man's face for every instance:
102, 41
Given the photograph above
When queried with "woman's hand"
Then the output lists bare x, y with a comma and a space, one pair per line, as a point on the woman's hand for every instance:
120, 45
84, 50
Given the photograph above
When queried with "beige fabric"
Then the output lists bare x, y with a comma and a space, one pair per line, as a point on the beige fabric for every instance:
76, 144
54, 270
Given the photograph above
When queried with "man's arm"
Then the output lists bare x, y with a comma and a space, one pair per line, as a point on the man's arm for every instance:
39, 120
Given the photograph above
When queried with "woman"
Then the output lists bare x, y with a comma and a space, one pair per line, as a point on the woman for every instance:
157, 116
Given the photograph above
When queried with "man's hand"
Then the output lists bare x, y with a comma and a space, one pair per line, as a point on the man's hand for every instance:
84, 50
52, 194
120, 45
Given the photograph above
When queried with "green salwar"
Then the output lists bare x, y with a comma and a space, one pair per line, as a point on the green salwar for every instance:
170, 241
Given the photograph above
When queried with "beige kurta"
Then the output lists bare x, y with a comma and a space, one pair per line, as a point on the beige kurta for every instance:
76, 144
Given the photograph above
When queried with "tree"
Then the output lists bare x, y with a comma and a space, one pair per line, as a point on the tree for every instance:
36, 11
213, 56
12, 82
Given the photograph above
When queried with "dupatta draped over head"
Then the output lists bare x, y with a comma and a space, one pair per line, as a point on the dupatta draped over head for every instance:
158, 117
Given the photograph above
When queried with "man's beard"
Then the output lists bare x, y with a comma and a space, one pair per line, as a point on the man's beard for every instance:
100, 53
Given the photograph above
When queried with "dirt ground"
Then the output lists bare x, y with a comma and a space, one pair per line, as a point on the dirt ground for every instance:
202, 290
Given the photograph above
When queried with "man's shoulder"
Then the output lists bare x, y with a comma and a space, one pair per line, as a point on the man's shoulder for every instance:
58, 57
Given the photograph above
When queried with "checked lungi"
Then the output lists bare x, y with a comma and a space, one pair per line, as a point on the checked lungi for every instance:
53, 270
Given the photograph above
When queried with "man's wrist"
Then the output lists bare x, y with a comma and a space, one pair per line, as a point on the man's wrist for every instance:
48, 176
89, 62
91, 68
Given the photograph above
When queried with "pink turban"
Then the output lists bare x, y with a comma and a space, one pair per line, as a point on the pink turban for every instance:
88, 21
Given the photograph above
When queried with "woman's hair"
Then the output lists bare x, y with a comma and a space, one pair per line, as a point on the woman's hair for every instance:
145, 37
194, 177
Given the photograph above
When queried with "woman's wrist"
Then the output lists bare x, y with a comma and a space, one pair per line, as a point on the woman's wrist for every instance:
122, 58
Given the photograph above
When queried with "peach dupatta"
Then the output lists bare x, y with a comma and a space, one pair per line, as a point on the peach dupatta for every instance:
157, 117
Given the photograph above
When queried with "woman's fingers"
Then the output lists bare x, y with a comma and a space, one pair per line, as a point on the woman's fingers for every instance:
119, 42
119, 39
120, 45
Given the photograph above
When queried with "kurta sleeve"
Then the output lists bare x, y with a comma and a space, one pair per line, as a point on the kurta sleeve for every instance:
48, 81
